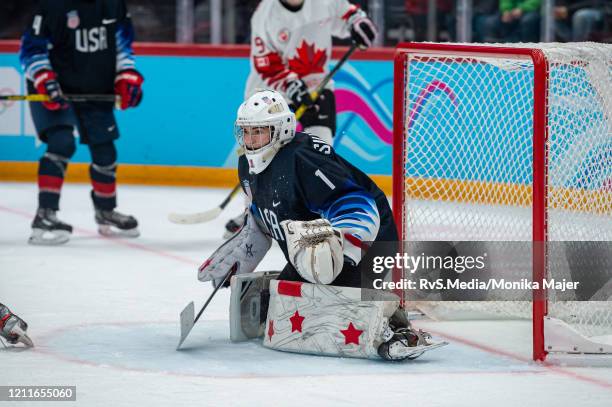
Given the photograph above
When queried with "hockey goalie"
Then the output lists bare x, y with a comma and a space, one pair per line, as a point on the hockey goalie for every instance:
321, 211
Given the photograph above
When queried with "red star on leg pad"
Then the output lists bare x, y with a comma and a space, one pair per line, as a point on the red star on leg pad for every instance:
270, 330
351, 334
296, 322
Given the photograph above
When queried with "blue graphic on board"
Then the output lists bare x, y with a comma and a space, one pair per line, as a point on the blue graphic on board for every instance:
180, 124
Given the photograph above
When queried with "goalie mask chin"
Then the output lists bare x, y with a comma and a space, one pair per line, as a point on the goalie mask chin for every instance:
263, 125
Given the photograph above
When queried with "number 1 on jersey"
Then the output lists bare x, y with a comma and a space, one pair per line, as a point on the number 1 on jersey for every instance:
330, 184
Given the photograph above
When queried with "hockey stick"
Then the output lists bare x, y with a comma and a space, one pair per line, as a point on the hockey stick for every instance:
68, 98
190, 219
187, 319
199, 217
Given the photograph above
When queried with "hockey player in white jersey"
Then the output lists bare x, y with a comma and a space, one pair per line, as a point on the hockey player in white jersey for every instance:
291, 45
321, 211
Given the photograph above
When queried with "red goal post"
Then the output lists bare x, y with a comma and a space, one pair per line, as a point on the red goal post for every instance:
433, 113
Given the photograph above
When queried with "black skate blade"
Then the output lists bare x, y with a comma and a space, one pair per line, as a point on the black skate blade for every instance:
112, 231
42, 237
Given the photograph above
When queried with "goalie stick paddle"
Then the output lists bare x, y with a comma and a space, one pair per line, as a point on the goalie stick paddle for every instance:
68, 98
200, 217
186, 318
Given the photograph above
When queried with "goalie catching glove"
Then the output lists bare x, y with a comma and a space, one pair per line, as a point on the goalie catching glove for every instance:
245, 249
315, 249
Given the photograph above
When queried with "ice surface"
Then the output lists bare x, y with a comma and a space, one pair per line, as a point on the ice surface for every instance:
104, 316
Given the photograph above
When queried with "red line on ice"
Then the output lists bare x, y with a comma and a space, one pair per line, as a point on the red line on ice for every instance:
500, 352
464, 341
43, 349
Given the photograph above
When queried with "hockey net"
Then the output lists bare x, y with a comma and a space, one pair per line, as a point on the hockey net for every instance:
502, 144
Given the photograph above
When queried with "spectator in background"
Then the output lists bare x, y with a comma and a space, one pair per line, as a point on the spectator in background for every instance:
417, 10
520, 20
13, 16
580, 20
485, 20
244, 11
154, 20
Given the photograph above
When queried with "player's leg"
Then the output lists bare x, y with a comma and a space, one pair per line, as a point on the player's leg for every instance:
104, 192
320, 120
53, 164
336, 321
55, 128
98, 129
328, 309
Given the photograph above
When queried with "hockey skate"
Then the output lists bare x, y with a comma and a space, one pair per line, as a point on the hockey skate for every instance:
47, 230
113, 223
13, 329
406, 343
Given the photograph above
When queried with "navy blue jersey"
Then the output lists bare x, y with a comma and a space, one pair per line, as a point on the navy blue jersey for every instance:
307, 180
86, 42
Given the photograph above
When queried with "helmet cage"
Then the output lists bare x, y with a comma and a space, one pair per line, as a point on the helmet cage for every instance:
256, 132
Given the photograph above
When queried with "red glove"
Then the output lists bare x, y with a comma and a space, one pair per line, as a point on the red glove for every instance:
128, 86
45, 82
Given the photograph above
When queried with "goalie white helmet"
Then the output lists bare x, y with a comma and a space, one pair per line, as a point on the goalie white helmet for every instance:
263, 125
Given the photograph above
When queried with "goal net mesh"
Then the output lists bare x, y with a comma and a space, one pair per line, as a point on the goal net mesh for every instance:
468, 162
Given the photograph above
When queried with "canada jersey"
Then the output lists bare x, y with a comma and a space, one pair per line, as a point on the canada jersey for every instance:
84, 41
285, 42
307, 180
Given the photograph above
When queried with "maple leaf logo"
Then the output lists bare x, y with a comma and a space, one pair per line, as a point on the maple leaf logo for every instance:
308, 60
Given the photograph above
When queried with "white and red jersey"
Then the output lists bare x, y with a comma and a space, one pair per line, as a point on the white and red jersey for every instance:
285, 43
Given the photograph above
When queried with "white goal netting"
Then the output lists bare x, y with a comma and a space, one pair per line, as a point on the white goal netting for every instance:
469, 156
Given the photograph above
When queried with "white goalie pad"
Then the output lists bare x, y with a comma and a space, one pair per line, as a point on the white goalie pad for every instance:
249, 304
325, 320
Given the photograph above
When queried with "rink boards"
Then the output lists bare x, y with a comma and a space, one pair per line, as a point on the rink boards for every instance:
186, 117
182, 132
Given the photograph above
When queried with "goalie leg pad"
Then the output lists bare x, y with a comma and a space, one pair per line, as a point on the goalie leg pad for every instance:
326, 320
249, 304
